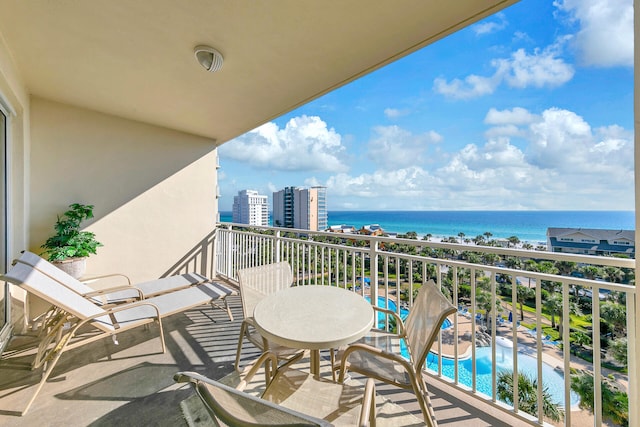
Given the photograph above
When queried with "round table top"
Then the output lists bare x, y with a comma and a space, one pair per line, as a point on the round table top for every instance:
313, 317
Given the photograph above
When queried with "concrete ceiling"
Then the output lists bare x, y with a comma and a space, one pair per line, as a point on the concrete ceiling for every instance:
134, 58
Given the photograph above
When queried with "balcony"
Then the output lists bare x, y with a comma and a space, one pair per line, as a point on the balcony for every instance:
103, 384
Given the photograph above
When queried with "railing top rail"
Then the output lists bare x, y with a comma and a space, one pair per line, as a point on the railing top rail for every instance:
513, 252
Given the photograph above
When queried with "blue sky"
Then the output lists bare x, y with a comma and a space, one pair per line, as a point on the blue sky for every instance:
531, 108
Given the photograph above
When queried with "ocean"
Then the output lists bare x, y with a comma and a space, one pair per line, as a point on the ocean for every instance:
530, 226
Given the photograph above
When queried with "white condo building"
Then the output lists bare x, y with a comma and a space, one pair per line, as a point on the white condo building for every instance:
251, 208
301, 208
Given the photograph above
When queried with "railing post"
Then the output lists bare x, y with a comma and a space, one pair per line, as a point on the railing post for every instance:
229, 252
373, 254
276, 256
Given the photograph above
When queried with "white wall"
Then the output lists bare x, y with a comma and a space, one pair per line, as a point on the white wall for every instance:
153, 188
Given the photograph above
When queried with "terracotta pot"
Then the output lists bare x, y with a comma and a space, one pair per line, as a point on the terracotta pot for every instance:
74, 267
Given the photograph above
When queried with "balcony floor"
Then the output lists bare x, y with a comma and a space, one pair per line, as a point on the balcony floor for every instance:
101, 384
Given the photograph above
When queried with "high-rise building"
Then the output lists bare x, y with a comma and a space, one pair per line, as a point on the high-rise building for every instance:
251, 208
302, 208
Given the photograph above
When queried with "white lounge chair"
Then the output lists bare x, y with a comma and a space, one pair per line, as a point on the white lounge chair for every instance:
117, 294
73, 311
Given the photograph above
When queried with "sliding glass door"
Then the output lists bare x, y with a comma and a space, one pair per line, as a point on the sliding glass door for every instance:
4, 230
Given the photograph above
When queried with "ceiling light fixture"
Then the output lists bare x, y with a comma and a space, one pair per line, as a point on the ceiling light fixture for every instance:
209, 58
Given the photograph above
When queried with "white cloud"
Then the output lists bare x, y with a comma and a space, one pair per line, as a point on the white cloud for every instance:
305, 143
394, 113
563, 164
515, 116
392, 145
471, 87
605, 37
543, 68
498, 22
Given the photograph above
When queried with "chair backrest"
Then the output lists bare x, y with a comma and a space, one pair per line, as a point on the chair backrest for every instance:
35, 261
258, 282
50, 290
425, 319
235, 408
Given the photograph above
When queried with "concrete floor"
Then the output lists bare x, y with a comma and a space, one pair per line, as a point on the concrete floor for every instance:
102, 384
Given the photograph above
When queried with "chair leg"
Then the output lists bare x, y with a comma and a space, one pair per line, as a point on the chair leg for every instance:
243, 329
420, 390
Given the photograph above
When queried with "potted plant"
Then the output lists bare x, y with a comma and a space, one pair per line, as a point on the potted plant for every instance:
69, 248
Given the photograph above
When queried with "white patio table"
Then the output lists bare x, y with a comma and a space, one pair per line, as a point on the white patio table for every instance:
314, 318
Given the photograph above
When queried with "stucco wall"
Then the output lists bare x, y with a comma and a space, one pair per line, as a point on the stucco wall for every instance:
153, 188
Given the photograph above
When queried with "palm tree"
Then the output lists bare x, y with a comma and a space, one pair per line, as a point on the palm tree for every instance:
427, 237
580, 339
615, 403
528, 395
565, 268
523, 293
487, 234
615, 315
461, 235
513, 240
554, 306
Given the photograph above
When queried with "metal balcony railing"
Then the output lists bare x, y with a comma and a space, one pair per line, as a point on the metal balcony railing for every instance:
486, 336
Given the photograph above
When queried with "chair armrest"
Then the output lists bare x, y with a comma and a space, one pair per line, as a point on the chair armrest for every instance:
399, 322
378, 352
87, 280
114, 289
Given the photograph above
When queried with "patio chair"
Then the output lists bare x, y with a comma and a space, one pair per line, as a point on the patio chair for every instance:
74, 312
291, 398
256, 283
378, 356
113, 294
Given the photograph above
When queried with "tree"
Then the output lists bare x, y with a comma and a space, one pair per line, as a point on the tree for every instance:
580, 339
553, 305
528, 395
461, 235
618, 350
478, 240
615, 403
615, 315
523, 293
513, 241
565, 268
427, 237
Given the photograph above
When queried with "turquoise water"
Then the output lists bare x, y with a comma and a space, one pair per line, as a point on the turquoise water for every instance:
504, 361
527, 225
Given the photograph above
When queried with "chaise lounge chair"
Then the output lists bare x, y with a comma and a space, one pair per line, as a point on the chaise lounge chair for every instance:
117, 294
73, 312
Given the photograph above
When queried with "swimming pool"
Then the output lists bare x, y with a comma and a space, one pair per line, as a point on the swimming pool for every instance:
553, 380
382, 301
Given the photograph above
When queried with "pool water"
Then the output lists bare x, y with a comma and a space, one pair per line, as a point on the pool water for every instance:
528, 365
390, 305
553, 380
